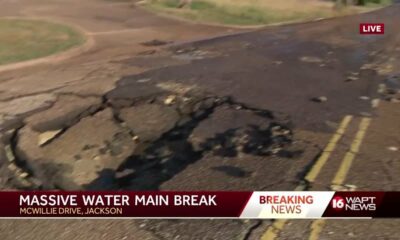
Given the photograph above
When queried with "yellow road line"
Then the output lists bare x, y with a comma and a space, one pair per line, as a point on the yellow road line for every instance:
317, 167
341, 174
273, 231
316, 229
350, 155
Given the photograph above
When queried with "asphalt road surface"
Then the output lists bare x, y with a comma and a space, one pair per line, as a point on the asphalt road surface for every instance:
149, 108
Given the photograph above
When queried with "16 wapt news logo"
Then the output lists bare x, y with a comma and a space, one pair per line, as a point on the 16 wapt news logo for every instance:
354, 203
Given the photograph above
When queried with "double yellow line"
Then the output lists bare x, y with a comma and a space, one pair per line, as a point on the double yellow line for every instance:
341, 174
317, 167
351, 154
317, 225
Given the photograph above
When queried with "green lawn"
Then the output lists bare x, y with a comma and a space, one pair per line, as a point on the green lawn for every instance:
253, 12
22, 40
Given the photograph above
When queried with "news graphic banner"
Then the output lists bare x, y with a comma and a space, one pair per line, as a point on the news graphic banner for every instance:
233, 205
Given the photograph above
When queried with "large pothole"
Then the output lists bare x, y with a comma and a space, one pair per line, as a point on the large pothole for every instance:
140, 139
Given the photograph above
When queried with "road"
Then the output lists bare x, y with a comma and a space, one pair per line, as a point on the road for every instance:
303, 106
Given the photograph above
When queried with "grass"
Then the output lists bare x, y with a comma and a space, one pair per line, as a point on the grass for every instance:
377, 3
22, 40
252, 12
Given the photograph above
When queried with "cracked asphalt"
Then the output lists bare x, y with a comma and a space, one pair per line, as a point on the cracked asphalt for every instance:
158, 104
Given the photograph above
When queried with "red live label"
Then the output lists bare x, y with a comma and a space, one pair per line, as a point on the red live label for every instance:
372, 28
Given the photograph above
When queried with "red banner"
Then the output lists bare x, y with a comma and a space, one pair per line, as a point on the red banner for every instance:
159, 204
123, 204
